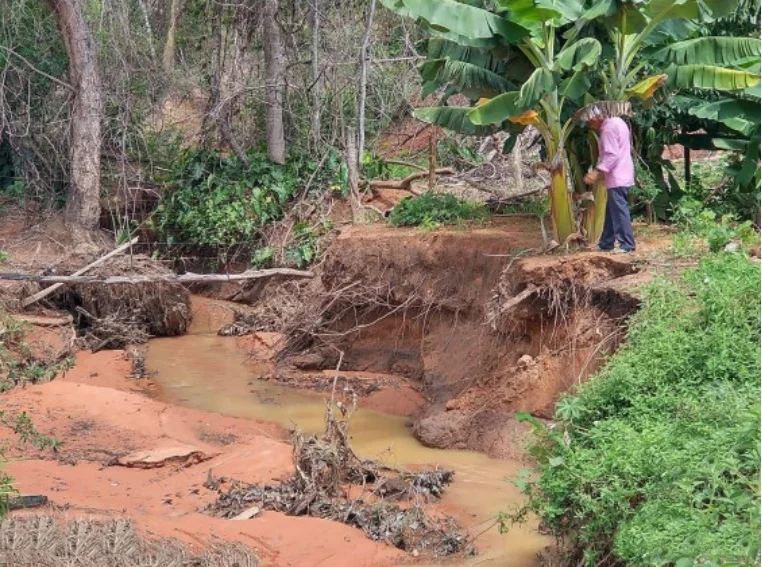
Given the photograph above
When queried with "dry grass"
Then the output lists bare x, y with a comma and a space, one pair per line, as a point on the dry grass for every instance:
46, 541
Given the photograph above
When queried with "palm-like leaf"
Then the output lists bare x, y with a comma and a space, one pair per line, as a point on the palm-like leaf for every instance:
737, 114
569, 10
710, 77
454, 118
661, 10
719, 51
471, 80
540, 82
646, 88
580, 55
438, 48
460, 22
497, 110
575, 87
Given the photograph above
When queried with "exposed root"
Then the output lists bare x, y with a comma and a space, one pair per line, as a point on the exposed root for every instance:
113, 316
46, 541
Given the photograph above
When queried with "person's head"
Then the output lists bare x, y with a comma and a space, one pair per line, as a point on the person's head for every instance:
595, 118
595, 123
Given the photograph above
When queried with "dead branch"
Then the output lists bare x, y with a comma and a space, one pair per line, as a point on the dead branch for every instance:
46, 292
404, 184
179, 278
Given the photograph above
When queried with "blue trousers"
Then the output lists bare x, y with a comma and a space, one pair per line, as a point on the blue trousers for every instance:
618, 226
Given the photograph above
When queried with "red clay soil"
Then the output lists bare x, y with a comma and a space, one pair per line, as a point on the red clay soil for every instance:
440, 318
111, 433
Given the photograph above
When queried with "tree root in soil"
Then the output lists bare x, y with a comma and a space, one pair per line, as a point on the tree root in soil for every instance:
113, 316
327, 468
46, 541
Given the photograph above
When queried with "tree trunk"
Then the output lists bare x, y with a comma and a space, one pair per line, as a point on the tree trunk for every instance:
315, 116
168, 57
595, 216
353, 176
149, 30
518, 167
364, 83
274, 75
83, 208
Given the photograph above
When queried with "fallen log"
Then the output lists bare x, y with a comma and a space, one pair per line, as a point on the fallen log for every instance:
47, 291
136, 279
405, 183
23, 502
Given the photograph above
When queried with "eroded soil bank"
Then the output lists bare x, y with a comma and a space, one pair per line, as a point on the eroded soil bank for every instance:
474, 321
451, 332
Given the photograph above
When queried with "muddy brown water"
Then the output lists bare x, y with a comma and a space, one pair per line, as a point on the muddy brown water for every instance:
210, 372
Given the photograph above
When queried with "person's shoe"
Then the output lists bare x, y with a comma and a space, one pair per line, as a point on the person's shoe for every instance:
623, 251
599, 249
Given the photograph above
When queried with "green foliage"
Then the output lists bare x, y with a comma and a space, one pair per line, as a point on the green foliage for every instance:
23, 427
704, 223
304, 248
538, 207
216, 200
17, 365
647, 189
433, 209
3, 256
655, 460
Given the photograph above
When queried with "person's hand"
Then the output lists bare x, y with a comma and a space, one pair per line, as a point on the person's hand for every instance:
591, 177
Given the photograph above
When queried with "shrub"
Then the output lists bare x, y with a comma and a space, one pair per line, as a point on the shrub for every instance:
655, 460
215, 200
433, 209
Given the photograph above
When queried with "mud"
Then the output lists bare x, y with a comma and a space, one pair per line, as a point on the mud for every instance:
105, 423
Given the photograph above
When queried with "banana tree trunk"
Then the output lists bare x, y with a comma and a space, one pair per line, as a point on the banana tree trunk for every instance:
595, 215
561, 204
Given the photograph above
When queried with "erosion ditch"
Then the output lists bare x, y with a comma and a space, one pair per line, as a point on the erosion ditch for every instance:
472, 321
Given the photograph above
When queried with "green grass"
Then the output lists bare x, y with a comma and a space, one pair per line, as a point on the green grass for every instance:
655, 460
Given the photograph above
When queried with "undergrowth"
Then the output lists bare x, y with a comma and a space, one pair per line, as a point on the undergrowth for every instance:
433, 209
17, 365
210, 199
702, 229
656, 460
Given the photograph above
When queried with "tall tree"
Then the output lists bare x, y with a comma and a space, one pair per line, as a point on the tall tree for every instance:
315, 114
364, 80
168, 57
83, 207
274, 77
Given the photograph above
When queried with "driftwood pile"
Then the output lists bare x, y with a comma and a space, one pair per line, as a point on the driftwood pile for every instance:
326, 470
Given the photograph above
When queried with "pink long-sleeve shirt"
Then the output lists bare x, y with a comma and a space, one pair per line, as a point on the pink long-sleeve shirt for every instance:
615, 161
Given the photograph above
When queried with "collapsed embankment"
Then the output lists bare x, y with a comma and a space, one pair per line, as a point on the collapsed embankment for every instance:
471, 320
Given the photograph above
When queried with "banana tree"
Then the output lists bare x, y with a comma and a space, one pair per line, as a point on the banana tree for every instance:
543, 72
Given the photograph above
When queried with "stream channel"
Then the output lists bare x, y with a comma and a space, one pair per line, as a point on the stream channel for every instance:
210, 372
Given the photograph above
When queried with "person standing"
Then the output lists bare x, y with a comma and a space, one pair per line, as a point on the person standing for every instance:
618, 171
